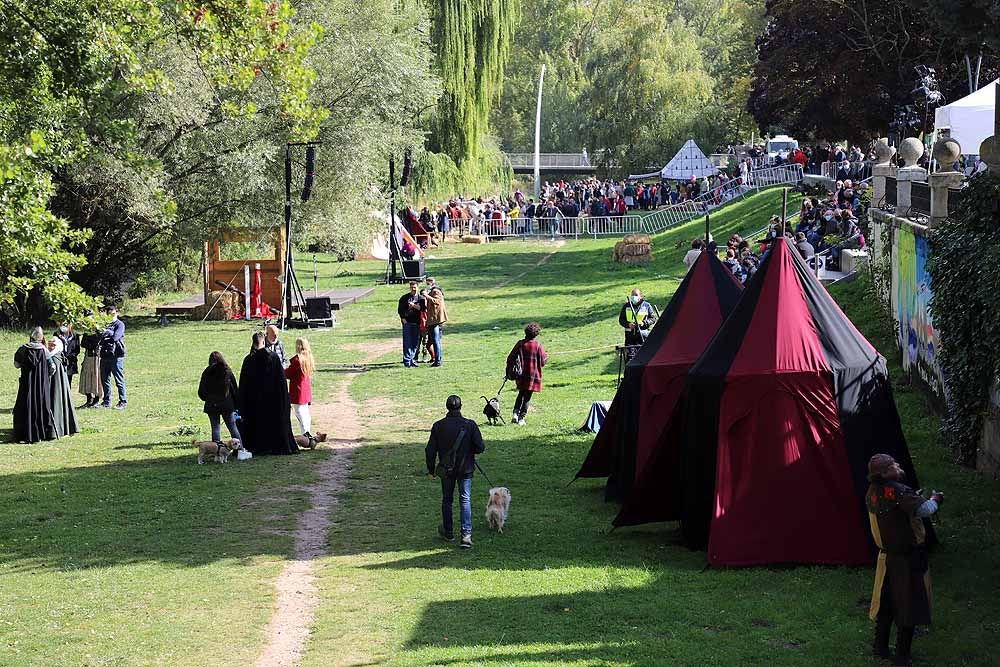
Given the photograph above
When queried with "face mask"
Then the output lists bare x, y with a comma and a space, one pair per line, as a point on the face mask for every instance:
635, 300
774, 234
828, 217
64, 330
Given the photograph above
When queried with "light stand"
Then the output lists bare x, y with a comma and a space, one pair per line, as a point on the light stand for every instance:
292, 296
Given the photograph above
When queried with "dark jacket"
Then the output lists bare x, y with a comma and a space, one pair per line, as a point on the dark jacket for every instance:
113, 340
218, 389
442, 438
71, 350
412, 316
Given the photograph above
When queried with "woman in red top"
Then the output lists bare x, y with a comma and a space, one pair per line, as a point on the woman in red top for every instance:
299, 374
533, 357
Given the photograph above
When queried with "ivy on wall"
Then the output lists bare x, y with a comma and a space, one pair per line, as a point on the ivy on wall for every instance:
964, 265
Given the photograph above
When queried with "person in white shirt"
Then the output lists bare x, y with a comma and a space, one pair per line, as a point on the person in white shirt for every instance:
694, 253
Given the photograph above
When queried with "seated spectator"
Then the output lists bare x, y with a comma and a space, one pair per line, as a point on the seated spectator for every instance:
805, 248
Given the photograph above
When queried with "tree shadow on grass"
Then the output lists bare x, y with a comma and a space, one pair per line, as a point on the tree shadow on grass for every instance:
169, 510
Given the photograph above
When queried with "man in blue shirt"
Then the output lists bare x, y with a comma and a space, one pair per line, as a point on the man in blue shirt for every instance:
112, 353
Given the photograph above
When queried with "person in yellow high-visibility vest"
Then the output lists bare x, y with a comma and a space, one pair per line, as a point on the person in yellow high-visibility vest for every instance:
637, 317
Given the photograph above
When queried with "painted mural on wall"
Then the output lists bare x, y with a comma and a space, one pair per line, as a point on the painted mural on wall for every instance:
917, 337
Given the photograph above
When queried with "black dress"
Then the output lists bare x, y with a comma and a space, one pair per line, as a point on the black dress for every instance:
33, 419
264, 405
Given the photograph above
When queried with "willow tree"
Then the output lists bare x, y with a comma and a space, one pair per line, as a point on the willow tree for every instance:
472, 40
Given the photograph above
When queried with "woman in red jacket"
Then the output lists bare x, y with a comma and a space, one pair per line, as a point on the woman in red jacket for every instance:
533, 357
299, 374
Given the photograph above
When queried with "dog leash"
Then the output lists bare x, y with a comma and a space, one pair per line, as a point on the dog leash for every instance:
483, 473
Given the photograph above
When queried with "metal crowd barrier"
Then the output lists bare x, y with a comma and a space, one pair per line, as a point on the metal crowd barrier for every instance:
562, 227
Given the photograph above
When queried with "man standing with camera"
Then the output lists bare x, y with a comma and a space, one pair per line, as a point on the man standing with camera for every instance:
901, 593
451, 455
410, 306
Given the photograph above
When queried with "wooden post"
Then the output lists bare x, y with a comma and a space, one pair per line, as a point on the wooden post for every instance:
707, 227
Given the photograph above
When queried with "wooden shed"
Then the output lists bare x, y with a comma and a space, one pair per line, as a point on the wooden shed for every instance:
220, 272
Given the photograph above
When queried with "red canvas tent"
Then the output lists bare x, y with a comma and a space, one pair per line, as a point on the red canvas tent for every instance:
654, 377
773, 431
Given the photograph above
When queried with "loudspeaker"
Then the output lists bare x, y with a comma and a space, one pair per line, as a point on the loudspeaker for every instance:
413, 269
319, 308
407, 167
307, 186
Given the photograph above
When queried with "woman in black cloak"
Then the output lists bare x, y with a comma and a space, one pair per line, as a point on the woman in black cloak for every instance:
33, 408
266, 424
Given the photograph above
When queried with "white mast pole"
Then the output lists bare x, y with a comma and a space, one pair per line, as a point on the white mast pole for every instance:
538, 133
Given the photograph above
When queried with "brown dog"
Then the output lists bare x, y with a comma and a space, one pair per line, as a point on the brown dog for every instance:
309, 443
220, 451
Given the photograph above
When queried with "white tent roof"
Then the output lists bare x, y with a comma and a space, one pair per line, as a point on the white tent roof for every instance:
689, 161
970, 119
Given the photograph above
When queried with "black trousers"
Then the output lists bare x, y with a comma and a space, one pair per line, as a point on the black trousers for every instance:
521, 404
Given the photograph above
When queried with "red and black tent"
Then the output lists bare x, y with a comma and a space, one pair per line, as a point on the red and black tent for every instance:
774, 429
654, 377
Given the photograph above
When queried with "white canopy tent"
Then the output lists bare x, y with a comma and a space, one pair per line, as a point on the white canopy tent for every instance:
970, 119
689, 161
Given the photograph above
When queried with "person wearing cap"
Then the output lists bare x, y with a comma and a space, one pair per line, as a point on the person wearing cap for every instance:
901, 592
451, 455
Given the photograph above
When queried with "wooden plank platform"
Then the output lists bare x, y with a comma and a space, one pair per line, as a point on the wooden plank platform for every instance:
342, 297
184, 307
338, 299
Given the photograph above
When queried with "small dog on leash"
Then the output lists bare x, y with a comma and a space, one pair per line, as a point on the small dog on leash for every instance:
492, 410
496, 508
220, 451
305, 442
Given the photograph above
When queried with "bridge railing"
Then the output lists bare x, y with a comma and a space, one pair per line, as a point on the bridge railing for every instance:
664, 218
548, 160
575, 228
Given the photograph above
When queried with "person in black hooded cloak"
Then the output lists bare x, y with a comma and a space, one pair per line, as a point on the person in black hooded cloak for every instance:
33, 408
264, 405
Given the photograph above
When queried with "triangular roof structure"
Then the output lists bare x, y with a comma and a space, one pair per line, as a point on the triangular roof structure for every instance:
654, 377
687, 162
774, 429
970, 119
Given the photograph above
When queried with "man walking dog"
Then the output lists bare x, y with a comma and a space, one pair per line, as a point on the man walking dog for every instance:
451, 455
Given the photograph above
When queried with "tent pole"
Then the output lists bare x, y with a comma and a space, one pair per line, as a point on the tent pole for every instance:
707, 224
784, 209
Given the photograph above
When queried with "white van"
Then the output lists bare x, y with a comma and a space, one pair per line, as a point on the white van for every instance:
780, 146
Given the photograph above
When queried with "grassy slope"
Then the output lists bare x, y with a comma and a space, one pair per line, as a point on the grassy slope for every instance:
115, 547
557, 587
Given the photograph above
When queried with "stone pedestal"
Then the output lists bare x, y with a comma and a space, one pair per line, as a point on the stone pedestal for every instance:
904, 181
880, 172
940, 182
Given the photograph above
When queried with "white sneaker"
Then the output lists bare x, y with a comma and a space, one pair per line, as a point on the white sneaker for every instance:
520, 422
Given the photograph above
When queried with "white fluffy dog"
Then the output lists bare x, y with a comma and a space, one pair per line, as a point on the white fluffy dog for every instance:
496, 508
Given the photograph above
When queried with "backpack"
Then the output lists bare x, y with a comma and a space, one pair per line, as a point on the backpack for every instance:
516, 369
448, 460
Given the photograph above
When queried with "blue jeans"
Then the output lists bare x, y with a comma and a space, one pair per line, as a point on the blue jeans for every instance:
411, 343
464, 500
435, 336
116, 367
230, 420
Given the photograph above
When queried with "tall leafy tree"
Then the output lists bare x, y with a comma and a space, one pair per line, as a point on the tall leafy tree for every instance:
472, 41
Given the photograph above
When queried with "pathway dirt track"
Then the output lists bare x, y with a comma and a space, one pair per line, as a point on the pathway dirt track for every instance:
296, 596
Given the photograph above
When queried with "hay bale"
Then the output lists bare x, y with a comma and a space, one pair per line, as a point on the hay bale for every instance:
473, 238
229, 305
633, 249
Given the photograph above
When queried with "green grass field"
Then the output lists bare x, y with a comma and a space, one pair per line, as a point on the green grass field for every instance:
116, 549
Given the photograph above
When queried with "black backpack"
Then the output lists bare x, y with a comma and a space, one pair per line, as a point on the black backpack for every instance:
449, 460
516, 369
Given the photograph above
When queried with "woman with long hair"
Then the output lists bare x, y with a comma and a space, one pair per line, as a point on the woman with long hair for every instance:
219, 391
299, 374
